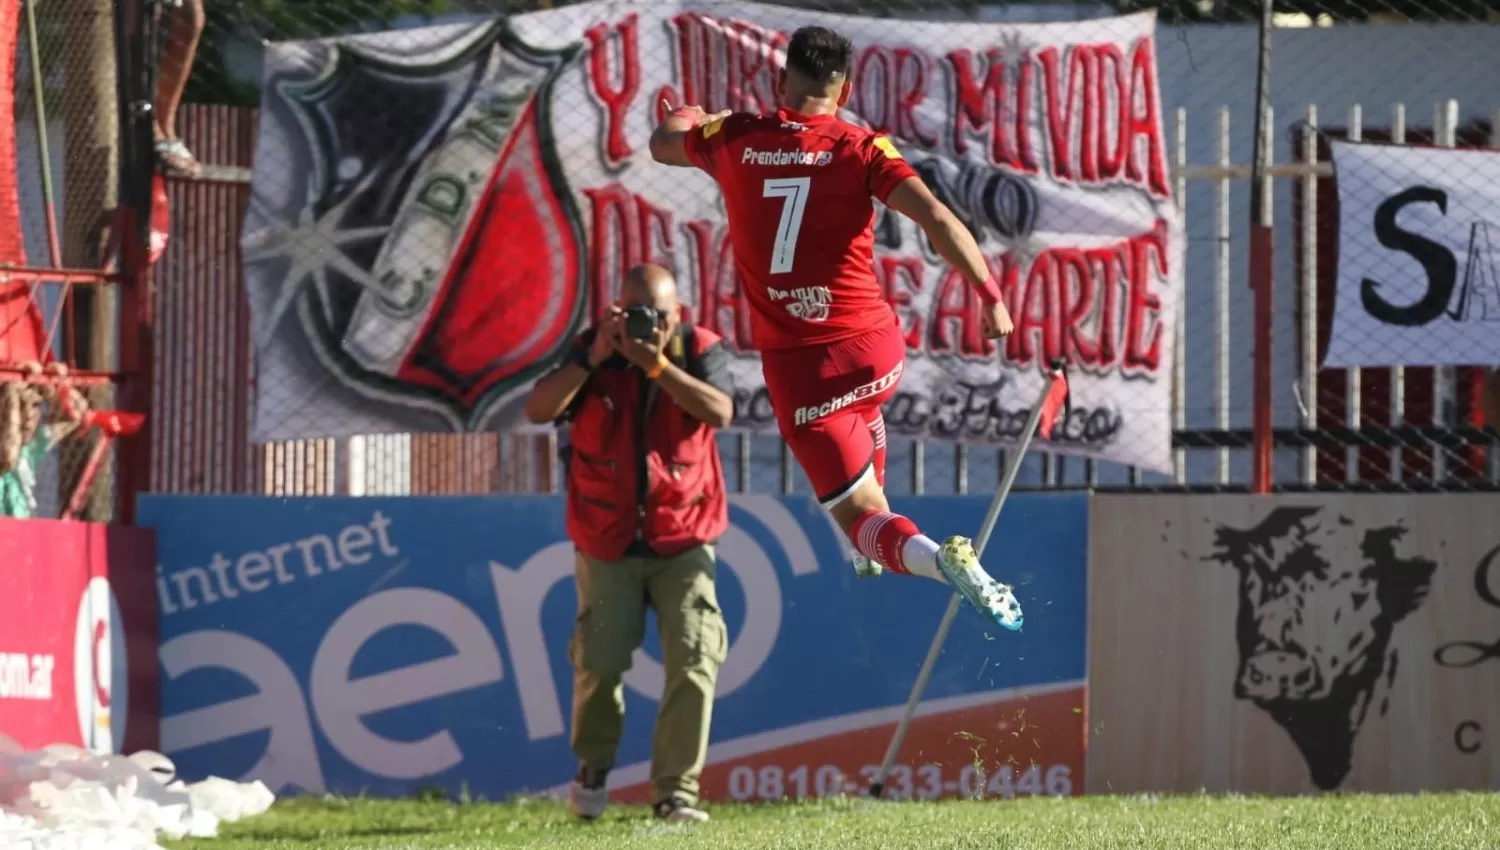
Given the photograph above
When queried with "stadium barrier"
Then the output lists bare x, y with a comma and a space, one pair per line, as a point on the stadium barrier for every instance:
386, 645
78, 635
1295, 643
1231, 643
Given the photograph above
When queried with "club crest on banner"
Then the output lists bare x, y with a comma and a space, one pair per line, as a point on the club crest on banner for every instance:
411, 230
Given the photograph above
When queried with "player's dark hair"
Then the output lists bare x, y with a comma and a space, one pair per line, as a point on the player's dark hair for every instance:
819, 54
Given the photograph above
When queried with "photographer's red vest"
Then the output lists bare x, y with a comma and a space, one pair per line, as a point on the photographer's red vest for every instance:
642, 468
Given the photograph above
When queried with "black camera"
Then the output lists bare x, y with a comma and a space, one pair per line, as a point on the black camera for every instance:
641, 322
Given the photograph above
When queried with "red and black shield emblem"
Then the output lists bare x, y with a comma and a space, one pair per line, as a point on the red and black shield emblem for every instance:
435, 260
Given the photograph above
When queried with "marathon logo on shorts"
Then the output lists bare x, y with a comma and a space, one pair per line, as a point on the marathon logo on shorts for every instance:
751, 156
812, 413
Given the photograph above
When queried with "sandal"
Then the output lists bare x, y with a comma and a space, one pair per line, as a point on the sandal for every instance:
176, 159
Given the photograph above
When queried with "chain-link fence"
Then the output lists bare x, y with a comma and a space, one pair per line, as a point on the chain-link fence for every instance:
58, 356
434, 211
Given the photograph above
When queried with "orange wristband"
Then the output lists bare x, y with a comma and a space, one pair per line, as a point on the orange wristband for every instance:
655, 371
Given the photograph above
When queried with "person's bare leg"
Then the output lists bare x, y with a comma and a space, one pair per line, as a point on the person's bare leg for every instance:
185, 28
866, 506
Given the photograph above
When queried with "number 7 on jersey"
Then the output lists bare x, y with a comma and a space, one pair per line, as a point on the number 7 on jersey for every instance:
793, 192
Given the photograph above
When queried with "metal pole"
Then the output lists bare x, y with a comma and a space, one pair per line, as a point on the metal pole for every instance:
877, 786
1261, 253
49, 196
135, 55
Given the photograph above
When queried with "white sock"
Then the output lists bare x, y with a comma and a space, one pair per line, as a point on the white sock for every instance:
919, 554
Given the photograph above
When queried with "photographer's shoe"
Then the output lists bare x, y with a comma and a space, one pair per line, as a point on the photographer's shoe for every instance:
678, 810
588, 798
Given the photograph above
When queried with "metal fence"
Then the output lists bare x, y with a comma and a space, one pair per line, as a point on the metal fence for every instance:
1417, 72
58, 296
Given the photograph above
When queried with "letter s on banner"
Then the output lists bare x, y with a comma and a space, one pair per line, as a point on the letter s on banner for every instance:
100, 679
1438, 263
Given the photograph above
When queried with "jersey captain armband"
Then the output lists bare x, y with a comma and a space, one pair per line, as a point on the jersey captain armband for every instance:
887, 167
711, 128
883, 144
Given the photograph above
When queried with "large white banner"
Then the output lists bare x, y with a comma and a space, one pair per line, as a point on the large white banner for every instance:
437, 211
1419, 269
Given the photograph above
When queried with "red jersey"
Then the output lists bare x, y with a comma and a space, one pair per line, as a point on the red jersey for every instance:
797, 191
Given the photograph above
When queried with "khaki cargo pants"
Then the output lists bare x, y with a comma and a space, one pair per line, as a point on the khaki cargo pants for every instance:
612, 601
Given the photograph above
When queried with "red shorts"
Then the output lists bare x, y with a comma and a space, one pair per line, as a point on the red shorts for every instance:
827, 400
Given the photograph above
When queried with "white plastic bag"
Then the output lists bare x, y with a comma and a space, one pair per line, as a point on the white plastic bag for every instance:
66, 798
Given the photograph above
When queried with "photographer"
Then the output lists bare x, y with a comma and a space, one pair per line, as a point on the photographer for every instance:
643, 394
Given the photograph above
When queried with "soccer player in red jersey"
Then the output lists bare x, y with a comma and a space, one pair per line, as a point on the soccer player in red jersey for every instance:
797, 187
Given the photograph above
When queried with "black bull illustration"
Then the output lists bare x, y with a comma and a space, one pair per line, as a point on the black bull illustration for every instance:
1318, 603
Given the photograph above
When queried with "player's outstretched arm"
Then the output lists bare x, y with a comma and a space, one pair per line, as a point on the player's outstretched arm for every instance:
669, 139
953, 241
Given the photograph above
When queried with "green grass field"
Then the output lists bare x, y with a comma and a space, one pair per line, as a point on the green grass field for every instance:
1438, 822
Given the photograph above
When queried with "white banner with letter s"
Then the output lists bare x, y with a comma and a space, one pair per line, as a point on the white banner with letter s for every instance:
1419, 256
